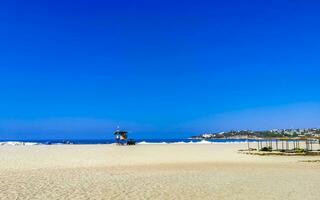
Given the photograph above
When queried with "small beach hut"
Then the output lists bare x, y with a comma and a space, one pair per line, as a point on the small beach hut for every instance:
121, 136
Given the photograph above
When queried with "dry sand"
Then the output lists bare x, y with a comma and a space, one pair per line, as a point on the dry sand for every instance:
175, 171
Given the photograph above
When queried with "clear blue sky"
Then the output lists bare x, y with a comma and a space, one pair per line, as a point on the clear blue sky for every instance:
160, 69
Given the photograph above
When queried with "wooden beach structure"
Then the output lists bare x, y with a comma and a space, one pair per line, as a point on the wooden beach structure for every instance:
121, 138
286, 144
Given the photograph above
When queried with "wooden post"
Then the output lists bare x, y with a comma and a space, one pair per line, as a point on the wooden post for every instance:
277, 144
267, 143
294, 145
270, 143
260, 144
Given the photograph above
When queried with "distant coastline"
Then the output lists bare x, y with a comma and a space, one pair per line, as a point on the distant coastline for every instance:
249, 134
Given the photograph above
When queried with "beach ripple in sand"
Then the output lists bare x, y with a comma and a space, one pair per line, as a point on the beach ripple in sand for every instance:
164, 182
153, 172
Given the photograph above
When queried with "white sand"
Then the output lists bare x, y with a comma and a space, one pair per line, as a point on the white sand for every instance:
175, 171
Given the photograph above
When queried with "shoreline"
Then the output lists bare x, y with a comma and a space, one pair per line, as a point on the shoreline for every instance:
112, 142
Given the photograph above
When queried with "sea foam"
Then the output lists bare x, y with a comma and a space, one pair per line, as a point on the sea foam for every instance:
14, 143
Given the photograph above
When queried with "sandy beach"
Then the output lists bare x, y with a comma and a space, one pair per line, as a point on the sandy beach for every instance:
157, 171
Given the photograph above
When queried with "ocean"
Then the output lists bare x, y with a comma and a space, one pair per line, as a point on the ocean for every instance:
111, 141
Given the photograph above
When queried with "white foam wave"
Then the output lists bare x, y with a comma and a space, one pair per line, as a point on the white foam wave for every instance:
181, 142
193, 142
14, 143
144, 142
204, 142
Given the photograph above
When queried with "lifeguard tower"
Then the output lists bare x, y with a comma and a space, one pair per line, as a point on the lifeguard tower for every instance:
121, 136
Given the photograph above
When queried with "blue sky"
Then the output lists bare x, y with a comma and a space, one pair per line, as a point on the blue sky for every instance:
168, 69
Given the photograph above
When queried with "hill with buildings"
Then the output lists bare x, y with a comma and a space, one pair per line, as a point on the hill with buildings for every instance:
244, 134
